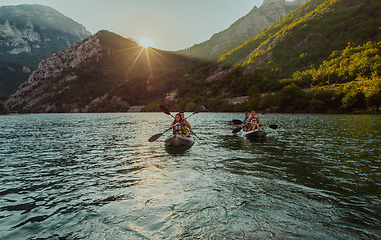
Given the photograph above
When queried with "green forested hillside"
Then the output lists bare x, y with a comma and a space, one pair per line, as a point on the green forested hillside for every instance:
337, 40
323, 57
29, 34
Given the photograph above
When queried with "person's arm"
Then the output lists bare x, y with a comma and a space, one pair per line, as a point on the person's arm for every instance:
243, 122
258, 122
189, 126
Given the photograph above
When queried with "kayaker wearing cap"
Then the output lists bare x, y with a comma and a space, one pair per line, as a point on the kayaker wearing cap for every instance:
185, 122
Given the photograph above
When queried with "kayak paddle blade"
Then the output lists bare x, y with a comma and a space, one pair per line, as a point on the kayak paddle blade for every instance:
165, 110
236, 121
273, 126
197, 136
155, 137
199, 109
237, 130
267, 110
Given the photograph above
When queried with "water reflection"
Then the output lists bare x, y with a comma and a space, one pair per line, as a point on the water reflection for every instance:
179, 151
96, 176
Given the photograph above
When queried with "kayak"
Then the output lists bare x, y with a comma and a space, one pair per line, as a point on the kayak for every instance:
257, 133
179, 141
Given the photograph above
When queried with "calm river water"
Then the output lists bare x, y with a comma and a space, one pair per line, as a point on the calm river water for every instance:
95, 176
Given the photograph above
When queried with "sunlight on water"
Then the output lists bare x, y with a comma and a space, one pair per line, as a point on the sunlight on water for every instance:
96, 176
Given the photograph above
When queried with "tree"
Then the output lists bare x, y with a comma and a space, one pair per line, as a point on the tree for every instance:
292, 98
354, 99
254, 97
3, 109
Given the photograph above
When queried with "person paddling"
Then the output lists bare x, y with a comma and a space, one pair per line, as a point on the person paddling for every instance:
245, 122
254, 121
178, 127
185, 123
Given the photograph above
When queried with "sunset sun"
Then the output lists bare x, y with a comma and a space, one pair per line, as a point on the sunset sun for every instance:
147, 42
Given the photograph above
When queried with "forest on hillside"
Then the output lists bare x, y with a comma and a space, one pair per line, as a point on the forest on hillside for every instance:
324, 58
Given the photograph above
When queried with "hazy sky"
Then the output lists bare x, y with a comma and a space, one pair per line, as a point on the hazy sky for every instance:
165, 24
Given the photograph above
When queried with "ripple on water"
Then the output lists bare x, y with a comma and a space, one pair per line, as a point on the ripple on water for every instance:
95, 176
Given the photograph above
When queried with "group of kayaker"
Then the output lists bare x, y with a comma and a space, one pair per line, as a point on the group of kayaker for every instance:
250, 123
182, 129
181, 126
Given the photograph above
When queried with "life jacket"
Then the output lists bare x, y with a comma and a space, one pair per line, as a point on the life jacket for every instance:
254, 121
178, 128
184, 127
246, 122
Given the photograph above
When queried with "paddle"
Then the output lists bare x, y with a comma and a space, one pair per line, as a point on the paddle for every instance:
197, 136
199, 109
156, 136
237, 130
236, 122
166, 111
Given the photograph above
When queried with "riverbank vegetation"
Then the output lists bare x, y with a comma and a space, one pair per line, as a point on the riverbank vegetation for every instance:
3, 109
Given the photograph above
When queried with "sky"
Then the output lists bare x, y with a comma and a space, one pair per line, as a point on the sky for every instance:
163, 24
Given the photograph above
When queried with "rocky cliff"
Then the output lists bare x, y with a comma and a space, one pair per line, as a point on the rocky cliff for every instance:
30, 33
104, 72
12, 75
246, 27
33, 29
33, 90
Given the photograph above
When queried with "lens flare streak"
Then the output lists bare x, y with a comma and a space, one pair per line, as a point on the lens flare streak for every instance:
149, 62
137, 57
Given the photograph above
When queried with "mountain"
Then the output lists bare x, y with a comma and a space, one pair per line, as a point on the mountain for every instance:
104, 72
28, 34
246, 27
323, 57
12, 74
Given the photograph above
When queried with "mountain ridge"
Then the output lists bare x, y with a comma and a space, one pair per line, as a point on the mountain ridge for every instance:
103, 71
244, 28
30, 33
320, 58
293, 55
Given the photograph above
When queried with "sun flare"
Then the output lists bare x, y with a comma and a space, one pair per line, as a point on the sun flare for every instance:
147, 42
146, 50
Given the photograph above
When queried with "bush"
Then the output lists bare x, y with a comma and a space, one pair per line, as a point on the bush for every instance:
190, 107
3, 109
292, 98
254, 97
354, 100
